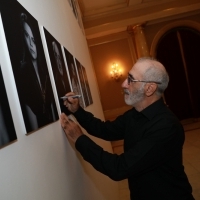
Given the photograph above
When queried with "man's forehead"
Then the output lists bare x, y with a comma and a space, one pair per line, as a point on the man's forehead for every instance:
56, 47
27, 28
137, 68
56, 50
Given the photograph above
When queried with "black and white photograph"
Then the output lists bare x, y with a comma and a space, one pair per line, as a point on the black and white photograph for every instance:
79, 17
70, 3
73, 3
87, 85
77, 13
82, 83
58, 67
29, 66
7, 130
73, 75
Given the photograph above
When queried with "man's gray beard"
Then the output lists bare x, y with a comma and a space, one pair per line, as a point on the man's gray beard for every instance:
135, 97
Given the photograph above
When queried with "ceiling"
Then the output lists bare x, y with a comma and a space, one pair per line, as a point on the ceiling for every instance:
102, 17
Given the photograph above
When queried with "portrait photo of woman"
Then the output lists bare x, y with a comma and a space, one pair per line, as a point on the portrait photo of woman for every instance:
29, 67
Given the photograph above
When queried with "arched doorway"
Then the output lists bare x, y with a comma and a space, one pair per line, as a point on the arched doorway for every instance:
179, 50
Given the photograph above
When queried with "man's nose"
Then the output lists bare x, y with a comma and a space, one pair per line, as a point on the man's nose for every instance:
31, 42
125, 83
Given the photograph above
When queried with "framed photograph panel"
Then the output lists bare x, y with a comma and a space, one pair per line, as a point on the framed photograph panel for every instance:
73, 75
82, 83
29, 66
58, 67
7, 130
87, 85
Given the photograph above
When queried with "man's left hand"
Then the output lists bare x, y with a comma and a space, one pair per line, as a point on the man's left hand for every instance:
72, 130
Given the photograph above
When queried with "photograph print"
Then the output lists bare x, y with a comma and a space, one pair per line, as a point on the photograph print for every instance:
77, 12
82, 83
73, 75
70, 3
29, 66
79, 17
7, 130
73, 3
58, 67
87, 85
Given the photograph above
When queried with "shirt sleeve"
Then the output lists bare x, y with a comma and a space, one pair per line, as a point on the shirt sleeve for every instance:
147, 154
107, 130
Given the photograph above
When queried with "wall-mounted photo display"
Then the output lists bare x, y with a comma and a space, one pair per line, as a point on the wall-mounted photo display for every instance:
73, 75
87, 85
70, 3
77, 12
80, 21
58, 67
82, 83
7, 130
73, 3
29, 66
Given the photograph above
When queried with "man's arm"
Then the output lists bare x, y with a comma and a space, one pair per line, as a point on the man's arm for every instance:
105, 130
145, 155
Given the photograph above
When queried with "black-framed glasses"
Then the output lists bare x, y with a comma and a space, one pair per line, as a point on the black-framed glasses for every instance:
131, 79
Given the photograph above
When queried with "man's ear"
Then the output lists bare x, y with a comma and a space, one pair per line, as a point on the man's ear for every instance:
150, 89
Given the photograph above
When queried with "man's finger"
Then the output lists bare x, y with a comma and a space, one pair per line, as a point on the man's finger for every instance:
65, 103
63, 119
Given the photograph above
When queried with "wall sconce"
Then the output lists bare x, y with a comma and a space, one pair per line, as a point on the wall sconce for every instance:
115, 71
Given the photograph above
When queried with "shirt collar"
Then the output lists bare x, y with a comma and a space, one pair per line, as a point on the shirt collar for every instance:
153, 109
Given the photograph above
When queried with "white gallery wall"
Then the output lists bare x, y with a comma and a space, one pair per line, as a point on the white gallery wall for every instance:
44, 165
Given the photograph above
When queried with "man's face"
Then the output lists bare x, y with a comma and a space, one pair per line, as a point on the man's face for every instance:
134, 91
58, 58
30, 41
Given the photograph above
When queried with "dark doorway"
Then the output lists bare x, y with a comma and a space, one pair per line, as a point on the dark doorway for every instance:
179, 51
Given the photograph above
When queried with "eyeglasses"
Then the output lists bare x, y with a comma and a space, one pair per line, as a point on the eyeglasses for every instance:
131, 79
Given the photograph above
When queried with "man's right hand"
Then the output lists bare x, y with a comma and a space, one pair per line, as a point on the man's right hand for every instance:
71, 104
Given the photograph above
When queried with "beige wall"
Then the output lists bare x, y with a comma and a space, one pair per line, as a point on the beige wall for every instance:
118, 48
44, 165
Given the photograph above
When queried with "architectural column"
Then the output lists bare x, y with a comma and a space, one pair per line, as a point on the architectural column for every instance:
139, 40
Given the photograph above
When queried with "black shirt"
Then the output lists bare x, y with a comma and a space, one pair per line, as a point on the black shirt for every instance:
152, 158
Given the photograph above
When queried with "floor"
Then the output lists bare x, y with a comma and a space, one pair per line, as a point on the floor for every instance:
191, 159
